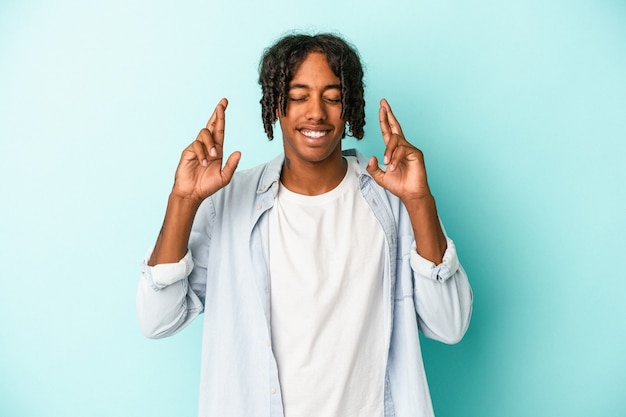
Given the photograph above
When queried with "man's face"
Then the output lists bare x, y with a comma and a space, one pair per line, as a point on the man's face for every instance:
312, 127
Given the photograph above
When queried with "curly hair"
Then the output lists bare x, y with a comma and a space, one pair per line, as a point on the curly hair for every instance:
281, 61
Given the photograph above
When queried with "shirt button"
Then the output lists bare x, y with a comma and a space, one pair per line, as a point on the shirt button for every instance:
268, 343
263, 187
259, 207
273, 390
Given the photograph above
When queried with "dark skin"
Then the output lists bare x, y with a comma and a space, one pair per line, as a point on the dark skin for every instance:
313, 164
199, 175
406, 178
312, 129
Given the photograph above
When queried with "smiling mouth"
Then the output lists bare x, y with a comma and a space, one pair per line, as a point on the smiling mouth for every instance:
314, 134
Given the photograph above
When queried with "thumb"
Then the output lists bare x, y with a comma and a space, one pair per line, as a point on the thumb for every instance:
231, 165
374, 170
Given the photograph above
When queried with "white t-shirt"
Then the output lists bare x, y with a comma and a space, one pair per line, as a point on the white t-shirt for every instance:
326, 271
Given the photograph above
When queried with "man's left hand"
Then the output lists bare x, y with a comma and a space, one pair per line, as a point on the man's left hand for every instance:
406, 173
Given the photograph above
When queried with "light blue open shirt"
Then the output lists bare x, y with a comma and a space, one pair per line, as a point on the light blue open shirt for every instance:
225, 275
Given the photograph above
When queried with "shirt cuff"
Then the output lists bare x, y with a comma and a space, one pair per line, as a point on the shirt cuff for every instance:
428, 269
162, 275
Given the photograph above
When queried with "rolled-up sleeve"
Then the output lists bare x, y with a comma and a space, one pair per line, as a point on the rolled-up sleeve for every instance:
163, 275
442, 296
165, 303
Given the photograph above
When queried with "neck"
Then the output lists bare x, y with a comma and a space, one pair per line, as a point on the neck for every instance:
313, 178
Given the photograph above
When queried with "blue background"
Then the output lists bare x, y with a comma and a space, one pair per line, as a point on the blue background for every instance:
519, 107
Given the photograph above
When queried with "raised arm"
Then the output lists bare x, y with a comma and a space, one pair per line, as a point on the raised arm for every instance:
442, 294
166, 301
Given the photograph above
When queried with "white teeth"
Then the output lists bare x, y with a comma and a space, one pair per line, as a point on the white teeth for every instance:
313, 133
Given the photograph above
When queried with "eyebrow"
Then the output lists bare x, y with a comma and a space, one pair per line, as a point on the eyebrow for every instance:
328, 87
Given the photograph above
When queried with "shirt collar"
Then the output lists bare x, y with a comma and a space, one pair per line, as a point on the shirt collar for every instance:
271, 172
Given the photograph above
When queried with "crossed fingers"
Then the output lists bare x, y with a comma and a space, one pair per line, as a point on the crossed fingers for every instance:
210, 140
392, 135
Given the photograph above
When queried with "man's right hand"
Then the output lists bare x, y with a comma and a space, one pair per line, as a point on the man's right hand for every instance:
200, 173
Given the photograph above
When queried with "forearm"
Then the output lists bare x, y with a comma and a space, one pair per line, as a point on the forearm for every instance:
173, 239
429, 237
167, 300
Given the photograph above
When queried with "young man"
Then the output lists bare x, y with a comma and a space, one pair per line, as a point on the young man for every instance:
314, 271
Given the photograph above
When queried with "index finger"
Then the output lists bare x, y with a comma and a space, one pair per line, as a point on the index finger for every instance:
217, 122
392, 122
385, 129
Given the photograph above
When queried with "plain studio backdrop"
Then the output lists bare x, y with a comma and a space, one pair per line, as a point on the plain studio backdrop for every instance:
519, 107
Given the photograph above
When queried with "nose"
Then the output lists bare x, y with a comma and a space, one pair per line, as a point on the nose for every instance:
316, 110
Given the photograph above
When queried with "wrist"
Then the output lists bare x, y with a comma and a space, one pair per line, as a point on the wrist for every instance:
184, 203
419, 202
429, 237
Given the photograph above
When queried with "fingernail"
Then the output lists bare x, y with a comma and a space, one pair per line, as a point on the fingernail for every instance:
392, 167
386, 159
205, 163
213, 151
